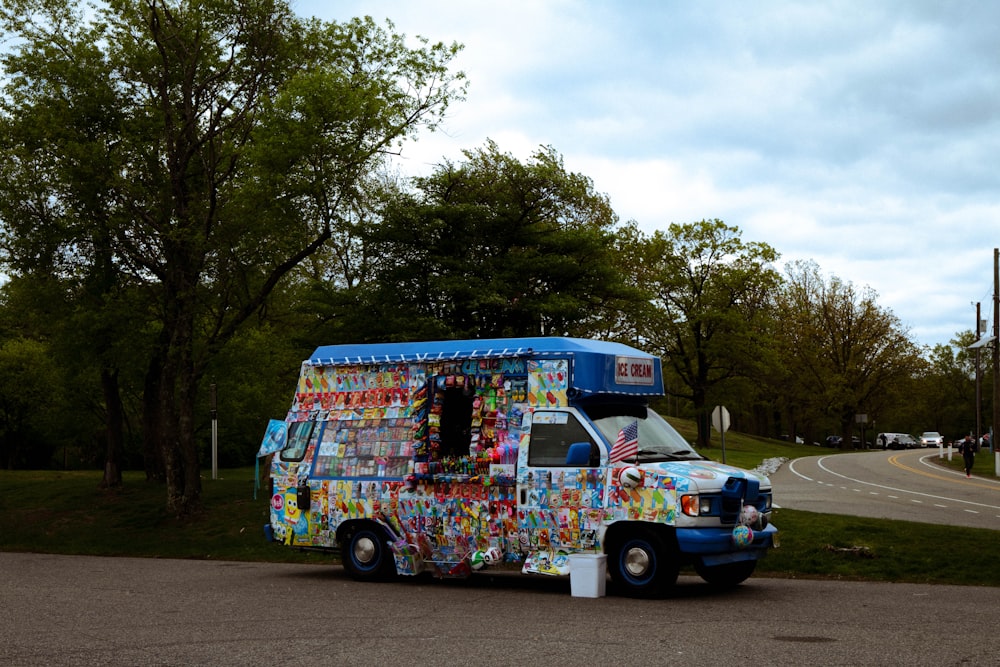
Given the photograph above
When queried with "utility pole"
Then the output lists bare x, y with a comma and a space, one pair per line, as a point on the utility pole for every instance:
979, 383
996, 357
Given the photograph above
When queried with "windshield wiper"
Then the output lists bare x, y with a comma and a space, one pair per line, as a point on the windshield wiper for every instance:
681, 455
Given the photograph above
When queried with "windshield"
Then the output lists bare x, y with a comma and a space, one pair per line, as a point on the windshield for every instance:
657, 438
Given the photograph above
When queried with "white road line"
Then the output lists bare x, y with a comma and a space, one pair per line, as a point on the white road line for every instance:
925, 460
791, 466
891, 488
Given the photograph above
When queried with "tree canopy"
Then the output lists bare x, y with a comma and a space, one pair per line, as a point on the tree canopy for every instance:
196, 192
710, 296
184, 157
841, 349
493, 247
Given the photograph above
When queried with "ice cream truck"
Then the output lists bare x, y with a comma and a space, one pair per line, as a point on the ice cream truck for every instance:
521, 453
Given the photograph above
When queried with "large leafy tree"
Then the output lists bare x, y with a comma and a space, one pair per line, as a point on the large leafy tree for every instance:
945, 392
184, 157
710, 297
492, 246
840, 348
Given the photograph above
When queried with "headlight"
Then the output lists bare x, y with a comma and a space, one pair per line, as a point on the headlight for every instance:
696, 505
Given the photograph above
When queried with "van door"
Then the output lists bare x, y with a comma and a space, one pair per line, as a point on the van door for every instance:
560, 491
291, 494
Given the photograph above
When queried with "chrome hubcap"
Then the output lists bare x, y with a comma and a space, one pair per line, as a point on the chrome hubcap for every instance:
364, 550
637, 562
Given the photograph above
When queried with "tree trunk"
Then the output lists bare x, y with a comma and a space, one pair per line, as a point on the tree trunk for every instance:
703, 417
178, 387
152, 431
114, 436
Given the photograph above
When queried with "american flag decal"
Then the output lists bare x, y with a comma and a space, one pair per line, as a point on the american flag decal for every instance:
627, 443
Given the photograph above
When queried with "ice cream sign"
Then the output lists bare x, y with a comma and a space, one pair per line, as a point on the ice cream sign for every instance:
634, 370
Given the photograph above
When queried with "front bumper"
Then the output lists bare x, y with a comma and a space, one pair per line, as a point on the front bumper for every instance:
715, 545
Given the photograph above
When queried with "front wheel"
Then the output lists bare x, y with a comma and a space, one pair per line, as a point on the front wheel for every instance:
366, 555
727, 575
642, 565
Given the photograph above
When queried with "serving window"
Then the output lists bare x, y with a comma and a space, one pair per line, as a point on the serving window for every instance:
365, 448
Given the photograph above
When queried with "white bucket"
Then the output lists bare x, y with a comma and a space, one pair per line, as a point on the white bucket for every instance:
588, 575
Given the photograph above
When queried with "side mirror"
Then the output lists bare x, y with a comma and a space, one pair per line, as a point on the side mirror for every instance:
578, 454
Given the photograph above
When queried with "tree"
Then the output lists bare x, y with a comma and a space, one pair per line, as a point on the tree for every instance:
198, 151
710, 295
946, 389
491, 247
29, 390
841, 348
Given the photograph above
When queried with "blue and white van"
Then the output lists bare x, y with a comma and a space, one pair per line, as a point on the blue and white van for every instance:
455, 456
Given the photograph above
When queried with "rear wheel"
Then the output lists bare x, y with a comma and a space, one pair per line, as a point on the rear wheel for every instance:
642, 565
727, 575
366, 555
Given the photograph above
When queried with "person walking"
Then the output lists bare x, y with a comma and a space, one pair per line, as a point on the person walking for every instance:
968, 454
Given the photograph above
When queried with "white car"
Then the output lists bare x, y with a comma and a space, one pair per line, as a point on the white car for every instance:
931, 439
896, 441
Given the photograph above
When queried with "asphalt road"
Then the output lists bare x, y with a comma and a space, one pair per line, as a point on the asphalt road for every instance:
75, 610
907, 485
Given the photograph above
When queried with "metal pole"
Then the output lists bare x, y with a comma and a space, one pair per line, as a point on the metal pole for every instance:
979, 383
215, 431
996, 355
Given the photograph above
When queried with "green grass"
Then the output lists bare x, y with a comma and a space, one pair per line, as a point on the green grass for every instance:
831, 546
66, 512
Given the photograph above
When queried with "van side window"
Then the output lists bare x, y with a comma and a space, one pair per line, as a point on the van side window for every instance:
551, 435
298, 440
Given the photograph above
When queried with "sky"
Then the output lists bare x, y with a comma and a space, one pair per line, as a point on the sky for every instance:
863, 136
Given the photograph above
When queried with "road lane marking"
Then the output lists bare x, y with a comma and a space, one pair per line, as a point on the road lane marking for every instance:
821, 464
791, 466
975, 481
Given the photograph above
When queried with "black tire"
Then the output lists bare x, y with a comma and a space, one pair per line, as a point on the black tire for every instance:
728, 575
366, 555
642, 565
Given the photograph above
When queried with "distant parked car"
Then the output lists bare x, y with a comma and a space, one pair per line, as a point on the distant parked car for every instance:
837, 441
896, 441
931, 439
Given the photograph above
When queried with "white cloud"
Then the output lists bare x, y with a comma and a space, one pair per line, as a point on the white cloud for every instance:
861, 136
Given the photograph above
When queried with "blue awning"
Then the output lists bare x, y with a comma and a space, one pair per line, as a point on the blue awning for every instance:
597, 366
